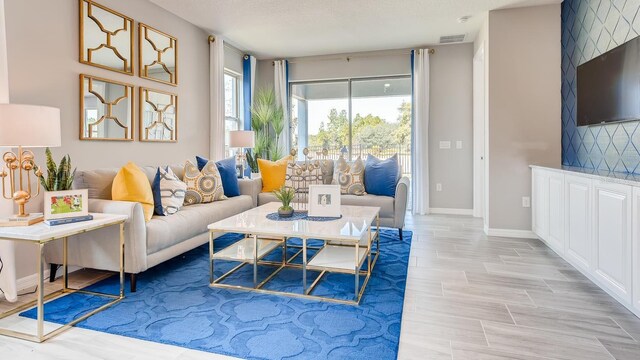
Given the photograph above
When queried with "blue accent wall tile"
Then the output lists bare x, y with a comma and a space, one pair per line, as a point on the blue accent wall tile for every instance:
590, 28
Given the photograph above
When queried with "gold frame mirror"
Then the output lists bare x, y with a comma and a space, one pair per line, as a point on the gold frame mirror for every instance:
158, 116
106, 38
158, 55
106, 109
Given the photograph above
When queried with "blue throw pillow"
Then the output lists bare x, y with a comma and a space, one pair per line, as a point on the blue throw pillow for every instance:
157, 198
227, 170
381, 176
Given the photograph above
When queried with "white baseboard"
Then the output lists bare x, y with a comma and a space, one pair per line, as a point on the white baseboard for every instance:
28, 282
31, 281
521, 234
447, 211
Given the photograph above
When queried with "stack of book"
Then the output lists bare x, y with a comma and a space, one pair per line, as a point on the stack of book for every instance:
69, 220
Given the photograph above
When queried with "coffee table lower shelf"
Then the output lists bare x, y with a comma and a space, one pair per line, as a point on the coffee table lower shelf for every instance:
332, 258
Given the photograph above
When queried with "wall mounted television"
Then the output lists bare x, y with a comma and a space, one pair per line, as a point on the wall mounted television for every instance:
609, 86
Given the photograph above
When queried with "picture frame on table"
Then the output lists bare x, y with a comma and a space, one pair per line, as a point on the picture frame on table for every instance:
66, 204
324, 201
239, 170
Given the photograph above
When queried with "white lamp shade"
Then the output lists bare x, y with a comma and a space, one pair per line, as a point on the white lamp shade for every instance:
29, 126
241, 139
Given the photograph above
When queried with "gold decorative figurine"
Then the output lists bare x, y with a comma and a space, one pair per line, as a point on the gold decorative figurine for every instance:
24, 126
22, 163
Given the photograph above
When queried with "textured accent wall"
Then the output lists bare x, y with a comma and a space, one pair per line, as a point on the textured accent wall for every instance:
590, 28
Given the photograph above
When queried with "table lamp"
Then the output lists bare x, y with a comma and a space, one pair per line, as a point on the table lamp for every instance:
241, 139
24, 126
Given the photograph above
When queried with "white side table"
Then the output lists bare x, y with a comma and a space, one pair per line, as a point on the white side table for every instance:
41, 234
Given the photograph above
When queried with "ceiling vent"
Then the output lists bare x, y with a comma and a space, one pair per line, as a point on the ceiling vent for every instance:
451, 39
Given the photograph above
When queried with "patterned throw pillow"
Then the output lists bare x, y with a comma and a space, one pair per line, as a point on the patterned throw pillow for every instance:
350, 177
300, 175
172, 191
202, 186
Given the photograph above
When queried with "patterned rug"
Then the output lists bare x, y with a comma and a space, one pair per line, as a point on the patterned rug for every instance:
174, 305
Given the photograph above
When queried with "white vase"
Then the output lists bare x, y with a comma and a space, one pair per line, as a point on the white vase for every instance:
256, 175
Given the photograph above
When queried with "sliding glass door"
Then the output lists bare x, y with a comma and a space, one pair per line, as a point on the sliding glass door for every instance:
354, 117
320, 116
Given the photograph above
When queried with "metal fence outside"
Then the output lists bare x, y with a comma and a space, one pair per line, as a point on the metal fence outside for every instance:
404, 155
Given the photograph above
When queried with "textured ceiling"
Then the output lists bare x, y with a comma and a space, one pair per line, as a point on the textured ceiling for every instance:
292, 28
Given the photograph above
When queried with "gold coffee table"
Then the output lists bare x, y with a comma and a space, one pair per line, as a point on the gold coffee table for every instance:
347, 246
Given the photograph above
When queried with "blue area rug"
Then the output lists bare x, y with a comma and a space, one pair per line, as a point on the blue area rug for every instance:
174, 305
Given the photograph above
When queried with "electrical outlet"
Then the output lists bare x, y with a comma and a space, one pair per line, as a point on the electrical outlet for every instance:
459, 144
438, 187
526, 201
445, 144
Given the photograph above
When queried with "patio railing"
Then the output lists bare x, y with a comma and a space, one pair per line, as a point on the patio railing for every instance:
404, 155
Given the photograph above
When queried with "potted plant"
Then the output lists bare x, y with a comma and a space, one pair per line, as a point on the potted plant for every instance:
252, 161
285, 195
59, 177
267, 121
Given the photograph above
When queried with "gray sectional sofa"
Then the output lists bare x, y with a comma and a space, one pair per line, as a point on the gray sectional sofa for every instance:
146, 243
150, 243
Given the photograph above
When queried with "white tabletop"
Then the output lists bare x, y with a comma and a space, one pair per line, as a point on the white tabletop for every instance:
41, 233
353, 225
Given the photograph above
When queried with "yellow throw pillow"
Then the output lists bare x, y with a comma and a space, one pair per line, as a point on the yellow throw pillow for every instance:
273, 173
131, 184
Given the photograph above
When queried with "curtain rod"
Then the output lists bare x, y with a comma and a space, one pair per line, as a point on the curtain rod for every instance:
348, 58
212, 38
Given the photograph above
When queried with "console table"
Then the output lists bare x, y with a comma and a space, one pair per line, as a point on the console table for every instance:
39, 235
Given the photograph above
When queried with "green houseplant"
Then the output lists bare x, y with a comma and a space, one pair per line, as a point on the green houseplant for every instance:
59, 177
285, 195
267, 121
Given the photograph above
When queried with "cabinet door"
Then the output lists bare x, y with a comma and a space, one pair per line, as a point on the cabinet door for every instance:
612, 237
635, 252
556, 218
578, 221
540, 213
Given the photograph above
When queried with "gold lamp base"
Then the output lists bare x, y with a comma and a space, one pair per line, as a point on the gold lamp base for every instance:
17, 220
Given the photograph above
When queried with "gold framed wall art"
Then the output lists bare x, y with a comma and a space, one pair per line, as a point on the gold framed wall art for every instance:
158, 116
106, 109
158, 55
106, 38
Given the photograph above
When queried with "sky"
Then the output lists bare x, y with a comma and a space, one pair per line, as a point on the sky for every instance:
385, 107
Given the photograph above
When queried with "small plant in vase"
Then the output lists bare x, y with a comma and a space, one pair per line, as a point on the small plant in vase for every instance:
285, 195
252, 161
60, 177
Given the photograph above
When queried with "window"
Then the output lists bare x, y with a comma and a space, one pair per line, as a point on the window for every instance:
232, 121
354, 117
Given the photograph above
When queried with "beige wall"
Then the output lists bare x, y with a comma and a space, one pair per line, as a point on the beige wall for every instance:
378, 63
264, 74
451, 110
451, 119
42, 38
524, 107
233, 59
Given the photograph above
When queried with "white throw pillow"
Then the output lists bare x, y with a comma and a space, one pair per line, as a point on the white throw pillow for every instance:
172, 191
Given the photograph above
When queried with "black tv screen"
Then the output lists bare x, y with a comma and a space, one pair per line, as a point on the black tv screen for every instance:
609, 86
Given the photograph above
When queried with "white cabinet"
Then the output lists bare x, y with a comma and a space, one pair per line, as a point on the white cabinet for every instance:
556, 220
635, 248
593, 222
578, 221
612, 236
548, 208
540, 197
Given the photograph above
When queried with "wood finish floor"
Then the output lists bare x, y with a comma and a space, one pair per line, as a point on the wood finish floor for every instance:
468, 296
